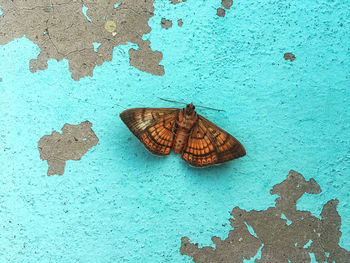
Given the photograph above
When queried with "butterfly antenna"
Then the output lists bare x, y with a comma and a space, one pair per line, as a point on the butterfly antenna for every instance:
209, 108
194, 105
172, 101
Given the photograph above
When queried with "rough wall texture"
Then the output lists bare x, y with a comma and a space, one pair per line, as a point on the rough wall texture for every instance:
72, 144
62, 31
284, 233
121, 204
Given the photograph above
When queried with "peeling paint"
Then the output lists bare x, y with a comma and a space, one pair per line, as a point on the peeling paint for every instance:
148, 65
289, 56
72, 144
227, 3
66, 30
165, 23
220, 12
174, 2
280, 242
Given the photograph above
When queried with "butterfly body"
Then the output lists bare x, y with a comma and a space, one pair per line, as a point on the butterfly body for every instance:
200, 141
184, 124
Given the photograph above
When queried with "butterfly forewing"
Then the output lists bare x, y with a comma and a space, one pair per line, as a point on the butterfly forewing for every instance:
208, 144
153, 127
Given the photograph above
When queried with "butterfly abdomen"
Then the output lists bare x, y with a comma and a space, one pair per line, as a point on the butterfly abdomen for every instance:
181, 138
184, 126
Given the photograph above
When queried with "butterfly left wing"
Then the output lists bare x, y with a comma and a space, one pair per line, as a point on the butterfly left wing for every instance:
208, 144
153, 127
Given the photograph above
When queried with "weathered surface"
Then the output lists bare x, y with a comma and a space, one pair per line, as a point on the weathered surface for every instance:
220, 12
62, 31
150, 65
227, 3
174, 2
282, 240
72, 144
180, 22
289, 56
165, 23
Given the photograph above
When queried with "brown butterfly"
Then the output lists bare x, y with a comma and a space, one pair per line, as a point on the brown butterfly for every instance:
201, 142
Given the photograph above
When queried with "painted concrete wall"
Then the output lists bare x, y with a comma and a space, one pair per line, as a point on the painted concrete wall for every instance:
119, 203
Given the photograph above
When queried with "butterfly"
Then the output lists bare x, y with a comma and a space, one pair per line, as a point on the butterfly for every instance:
200, 142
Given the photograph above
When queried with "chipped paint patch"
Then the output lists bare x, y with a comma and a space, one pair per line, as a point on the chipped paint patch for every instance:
67, 29
220, 12
174, 2
137, 59
72, 144
166, 23
289, 56
280, 242
227, 3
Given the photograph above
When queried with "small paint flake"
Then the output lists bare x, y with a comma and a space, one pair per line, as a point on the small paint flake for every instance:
174, 2
110, 26
227, 3
220, 12
289, 56
165, 23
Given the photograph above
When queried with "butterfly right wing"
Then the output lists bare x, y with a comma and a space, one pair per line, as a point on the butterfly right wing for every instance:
209, 144
153, 127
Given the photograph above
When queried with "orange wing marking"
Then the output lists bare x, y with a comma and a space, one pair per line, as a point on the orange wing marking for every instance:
153, 127
208, 144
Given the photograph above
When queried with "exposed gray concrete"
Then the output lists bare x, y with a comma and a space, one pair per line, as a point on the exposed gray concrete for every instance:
61, 30
150, 65
72, 144
174, 2
289, 56
282, 240
220, 12
180, 22
227, 3
165, 23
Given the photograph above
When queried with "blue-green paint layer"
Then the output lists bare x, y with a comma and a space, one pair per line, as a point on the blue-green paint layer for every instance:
121, 204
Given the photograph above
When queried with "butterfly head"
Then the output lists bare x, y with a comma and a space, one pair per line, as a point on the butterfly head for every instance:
189, 110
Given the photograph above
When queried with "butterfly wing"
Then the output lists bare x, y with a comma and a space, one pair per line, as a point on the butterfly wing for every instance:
208, 144
153, 127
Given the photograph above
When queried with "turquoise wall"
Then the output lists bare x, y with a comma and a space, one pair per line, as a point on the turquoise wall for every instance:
122, 204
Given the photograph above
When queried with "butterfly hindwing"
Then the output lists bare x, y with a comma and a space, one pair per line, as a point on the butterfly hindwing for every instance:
208, 144
153, 127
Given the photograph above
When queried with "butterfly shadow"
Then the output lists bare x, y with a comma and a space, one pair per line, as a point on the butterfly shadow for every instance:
223, 170
139, 155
